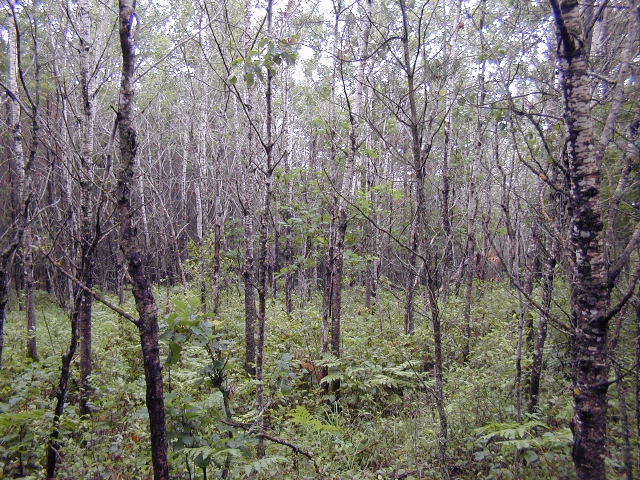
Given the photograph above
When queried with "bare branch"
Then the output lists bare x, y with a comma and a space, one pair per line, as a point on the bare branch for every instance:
93, 293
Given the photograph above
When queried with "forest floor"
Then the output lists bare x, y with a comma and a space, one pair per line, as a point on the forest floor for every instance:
381, 424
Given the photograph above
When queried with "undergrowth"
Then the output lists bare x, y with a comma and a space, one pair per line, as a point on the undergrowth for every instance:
383, 423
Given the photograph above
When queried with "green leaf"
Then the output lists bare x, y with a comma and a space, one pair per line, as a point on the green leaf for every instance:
530, 456
249, 79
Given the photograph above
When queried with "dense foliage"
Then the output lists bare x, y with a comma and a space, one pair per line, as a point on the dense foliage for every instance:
386, 239
383, 425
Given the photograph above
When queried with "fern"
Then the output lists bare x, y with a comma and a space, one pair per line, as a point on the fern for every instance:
301, 416
509, 431
267, 464
206, 455
521, 437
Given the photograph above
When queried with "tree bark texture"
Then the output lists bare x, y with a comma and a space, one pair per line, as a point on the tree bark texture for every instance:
29, 290
129, 244
443, 434
12, 237
26, 195
86, 170
590, 296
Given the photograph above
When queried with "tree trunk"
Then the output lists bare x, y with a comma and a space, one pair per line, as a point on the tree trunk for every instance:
54, 445
332, 305
217, 246
443, 435
418, 166
13, 236
590, 297
249, 296
26, 195
373, 244
23, 199
130, 245
86, 260
27, 265
536, 367
472, 200
447, 259
6, 257
263, 256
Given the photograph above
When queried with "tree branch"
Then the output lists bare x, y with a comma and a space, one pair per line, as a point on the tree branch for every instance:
93, 293
279, 441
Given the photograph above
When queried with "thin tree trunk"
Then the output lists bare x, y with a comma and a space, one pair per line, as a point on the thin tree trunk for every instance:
19, 203
470, 271
533, 270
27, 265
23, 201
263, 267
446, 213
472, 201
87, 119
54, 445
130, 245
327, 295
374, 250
217, 247
199, 231
200, 155
418, 165
547, 295
27, 247
443, 435
332, 311
249, 295
286, 209
6, 258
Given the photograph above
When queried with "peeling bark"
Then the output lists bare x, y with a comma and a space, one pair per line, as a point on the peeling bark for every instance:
590, 297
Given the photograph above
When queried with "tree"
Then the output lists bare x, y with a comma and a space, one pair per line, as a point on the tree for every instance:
147, 322
14, 223
592, 280
332, 296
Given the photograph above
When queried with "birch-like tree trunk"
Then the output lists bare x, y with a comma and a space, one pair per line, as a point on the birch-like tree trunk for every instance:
86, 174
12, 235
26, 193
590, 297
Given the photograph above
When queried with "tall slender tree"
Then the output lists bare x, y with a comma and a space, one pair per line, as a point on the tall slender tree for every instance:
12, 234
147, 322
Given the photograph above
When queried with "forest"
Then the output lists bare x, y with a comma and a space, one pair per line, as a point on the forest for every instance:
320, 239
